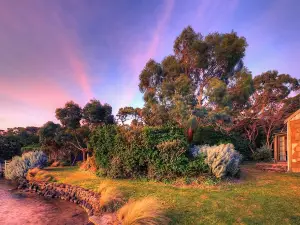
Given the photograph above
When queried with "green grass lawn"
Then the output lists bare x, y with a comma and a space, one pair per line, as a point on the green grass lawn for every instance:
257, 198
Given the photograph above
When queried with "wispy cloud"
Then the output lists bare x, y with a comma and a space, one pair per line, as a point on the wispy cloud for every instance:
136, 60
41, 60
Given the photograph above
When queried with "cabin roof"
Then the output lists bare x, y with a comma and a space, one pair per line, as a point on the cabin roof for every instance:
292, 116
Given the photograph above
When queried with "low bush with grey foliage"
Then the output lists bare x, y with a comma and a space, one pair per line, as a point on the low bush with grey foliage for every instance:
223, 160
19, 166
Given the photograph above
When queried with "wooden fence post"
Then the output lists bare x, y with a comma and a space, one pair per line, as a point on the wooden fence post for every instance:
5, 164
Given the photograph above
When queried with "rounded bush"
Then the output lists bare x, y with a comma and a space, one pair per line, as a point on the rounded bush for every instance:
263, 154
16, 168
222, 160
35, 159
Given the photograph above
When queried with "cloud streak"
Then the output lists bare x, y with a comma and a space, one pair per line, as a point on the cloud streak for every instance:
138, 58
40, 59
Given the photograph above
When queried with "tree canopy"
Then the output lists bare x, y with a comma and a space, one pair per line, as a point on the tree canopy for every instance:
94, 113
203, 72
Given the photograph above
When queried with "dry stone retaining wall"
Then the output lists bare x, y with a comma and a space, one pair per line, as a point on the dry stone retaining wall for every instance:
87, 199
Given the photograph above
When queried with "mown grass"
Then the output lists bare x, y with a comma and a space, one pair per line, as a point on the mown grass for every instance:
257, 198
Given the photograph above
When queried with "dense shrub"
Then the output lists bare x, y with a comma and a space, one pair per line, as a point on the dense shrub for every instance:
10, 146
19, 166
197, 166
263, 154
35, 159
132, 152
222, 160
103, 142
158, 153
209, 136
119, 151
169, 160
16, 168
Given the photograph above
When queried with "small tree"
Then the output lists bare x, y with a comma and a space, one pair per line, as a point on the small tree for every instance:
48, 135
93, 114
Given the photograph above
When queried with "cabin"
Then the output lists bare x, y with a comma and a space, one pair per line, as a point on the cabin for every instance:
287, 145
293, 141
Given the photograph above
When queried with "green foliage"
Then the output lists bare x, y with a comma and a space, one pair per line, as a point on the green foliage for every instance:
9, 146
129, 113
274, 86
119, 151
70, 115
26, 135
48, 133
157, 135
210, 136
201, 69
197, 166
169, 160
211, 181
223, 160
13, 139
153, 152
263, 154
32, 147
102, 141
96, 113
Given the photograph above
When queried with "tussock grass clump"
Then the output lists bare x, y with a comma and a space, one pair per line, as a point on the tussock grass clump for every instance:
141, 212
110, 197
89, 164
37, 174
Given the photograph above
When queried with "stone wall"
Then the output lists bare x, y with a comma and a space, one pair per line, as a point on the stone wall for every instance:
87, 199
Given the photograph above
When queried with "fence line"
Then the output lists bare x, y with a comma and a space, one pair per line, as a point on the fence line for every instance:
3, 166
6, 163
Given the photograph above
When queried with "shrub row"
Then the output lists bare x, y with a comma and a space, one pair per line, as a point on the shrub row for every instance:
153, 152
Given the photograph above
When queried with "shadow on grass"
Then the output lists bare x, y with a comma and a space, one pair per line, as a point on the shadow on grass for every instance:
180, 217
61, 169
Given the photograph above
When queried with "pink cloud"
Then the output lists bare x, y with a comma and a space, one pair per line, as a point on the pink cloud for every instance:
79, 72
55, 45
29, 101
41, 62
42, 93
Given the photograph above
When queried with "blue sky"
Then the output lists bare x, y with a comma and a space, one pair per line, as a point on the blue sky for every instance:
55, 51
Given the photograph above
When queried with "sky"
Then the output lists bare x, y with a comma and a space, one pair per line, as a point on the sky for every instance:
60, 50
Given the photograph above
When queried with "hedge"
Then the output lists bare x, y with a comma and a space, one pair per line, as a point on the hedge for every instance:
152, 152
